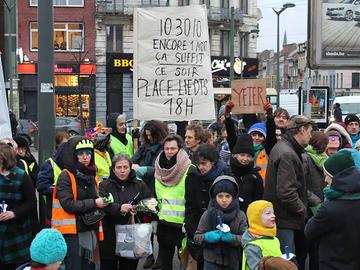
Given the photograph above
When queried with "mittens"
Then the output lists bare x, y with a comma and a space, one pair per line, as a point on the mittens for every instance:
141, 171
227, 237
268, 108
212, 236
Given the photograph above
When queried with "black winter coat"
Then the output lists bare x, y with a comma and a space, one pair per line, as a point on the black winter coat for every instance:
123, 192
249, 181
336, 225
286, 185
85, 184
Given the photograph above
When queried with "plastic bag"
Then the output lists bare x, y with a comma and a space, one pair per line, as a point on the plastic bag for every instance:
133, 241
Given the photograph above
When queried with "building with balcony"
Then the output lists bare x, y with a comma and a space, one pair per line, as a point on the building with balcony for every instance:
114, 40
74, 58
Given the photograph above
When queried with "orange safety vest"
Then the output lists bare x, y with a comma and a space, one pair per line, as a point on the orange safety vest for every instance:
63, 221
262, 161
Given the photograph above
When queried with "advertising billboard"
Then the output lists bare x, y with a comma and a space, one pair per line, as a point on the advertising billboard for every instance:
334, 34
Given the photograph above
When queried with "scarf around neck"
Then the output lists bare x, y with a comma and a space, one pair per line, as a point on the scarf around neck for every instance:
332, 194
239, 169
319, 159
216, 170
172, 176
257, 149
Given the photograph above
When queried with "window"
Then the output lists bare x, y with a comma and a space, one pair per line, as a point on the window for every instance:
184, 2
114, 38
67, 37
224, 43
225, 4
244, 41
355, 80
62, 3
337, 80
244, 6
342, 79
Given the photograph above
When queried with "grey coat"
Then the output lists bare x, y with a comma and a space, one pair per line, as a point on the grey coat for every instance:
286, 185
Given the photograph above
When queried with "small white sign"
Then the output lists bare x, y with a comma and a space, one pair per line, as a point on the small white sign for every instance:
46, 88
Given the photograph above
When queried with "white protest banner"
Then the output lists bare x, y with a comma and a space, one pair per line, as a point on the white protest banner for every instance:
5, 128
249, 96
172, 71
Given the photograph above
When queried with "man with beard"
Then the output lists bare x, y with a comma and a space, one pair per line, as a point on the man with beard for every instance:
285, 181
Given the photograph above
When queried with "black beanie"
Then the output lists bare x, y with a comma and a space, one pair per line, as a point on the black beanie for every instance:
21, 142
224, 186
244, 144
351, 118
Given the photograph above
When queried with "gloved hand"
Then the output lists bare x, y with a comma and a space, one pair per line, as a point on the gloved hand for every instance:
227, 237
141, 171
228, 107
268, 108
212, 236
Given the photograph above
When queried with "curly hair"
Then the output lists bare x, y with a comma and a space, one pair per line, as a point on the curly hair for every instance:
158, 131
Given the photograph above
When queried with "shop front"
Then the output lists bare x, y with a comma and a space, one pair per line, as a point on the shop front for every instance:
72, 83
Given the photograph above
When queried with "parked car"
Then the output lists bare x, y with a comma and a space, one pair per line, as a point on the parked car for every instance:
28, 127
345, 9
71, 125
357, 14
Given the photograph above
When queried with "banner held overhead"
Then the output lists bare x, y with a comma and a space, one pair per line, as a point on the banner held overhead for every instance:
172, 71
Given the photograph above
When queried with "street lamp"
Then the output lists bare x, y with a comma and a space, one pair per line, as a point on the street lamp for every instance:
278, 12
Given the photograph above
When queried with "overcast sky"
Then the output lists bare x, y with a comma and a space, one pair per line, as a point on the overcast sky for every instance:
293, 20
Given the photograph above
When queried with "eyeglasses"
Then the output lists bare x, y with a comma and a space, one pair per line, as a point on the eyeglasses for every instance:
334, 139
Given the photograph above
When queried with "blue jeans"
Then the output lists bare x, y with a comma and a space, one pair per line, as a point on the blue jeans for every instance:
286, 238
213, 266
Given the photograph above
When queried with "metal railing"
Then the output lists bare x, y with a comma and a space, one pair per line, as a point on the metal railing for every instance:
126, 7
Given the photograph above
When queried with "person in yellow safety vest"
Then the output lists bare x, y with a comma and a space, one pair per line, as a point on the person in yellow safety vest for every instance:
260, 239
23, 152
46, 181
74, 195
102, 139
171, 168
121, 142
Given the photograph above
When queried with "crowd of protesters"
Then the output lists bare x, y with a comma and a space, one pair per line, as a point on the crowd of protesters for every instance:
272, 194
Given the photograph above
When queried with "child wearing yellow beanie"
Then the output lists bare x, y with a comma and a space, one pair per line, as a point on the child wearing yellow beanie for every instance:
260, 239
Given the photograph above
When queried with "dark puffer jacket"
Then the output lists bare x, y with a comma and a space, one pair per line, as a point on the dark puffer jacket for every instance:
286, 185
85, 183
123, 192
336, 225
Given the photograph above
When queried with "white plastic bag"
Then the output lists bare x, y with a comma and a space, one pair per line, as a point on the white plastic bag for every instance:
133, 241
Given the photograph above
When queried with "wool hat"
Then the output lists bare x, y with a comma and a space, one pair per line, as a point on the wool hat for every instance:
244, 144
276, 263
254, 214
338, 162
48, 247
224, 185
351, 118
21, 142
259, 127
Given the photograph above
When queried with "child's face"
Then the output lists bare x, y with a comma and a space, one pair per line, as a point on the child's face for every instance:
224, 199
268, 217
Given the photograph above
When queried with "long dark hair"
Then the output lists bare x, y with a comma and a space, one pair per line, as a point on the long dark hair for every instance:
158, 131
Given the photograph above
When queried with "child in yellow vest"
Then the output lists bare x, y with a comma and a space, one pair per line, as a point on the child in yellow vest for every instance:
260, 239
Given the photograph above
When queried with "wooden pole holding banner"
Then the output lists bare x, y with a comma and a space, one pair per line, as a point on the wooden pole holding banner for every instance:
136, 139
